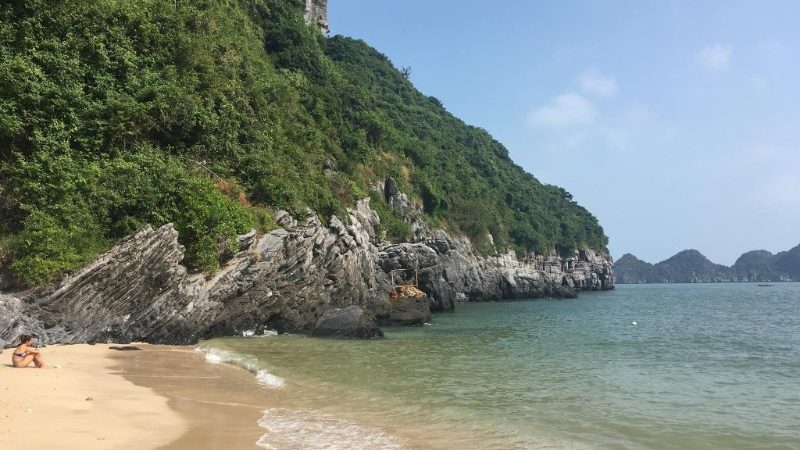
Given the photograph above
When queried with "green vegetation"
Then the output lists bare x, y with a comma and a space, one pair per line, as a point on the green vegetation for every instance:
207, 114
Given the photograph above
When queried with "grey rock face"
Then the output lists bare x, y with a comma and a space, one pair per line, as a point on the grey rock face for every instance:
139, 291
287, 279
406, 312
450, 270
136, 291
284, 280
316, 12
350, 322
15, 320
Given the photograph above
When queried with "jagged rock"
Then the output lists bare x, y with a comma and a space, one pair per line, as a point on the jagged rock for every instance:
246, 240
407, 311
564, 292
136, 291
287, 280
16, 318
284, 280
450, 270
285, 219
346, 322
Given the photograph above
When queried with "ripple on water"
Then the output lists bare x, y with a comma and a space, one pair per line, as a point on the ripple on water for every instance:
709, 366
313, 430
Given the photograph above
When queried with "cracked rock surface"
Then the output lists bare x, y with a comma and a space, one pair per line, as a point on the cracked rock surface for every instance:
284, 280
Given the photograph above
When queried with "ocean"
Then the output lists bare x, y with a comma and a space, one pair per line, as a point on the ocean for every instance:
701, 366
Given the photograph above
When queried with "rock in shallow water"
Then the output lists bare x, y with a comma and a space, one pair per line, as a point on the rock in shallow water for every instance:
407, 312
347, 322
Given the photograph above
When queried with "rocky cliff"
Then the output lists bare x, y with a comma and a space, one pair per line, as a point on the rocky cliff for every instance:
316, 11
690, 266
451, 270
284, 280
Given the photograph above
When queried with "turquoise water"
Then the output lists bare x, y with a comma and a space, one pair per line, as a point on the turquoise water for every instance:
705, 366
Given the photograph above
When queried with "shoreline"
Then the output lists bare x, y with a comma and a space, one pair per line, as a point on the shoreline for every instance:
219, 403
161, 397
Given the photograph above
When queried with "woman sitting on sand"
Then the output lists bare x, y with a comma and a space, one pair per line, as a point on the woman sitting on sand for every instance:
24, 354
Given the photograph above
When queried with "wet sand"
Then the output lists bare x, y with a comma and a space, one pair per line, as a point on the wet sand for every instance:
219, 403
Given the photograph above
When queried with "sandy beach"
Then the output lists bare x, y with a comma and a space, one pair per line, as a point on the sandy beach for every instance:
92, 397
81, 402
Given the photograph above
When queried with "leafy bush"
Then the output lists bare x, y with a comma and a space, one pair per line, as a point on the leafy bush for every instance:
47, 246
75, 207
116, 114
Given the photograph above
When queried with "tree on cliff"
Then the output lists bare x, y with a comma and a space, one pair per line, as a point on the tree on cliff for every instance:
211, 115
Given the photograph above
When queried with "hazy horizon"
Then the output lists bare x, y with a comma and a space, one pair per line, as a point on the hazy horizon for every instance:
673, 123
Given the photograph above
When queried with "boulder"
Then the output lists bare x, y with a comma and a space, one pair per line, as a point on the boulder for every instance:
564, 292
351, 322
407, 311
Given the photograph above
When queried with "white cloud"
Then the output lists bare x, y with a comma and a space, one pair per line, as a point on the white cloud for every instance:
564, 111
714, 58
595, 83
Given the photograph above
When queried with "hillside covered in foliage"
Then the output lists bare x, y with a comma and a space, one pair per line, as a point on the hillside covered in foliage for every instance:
211, 114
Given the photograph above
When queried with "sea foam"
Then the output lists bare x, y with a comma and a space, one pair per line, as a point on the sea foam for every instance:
248, 362
314, 430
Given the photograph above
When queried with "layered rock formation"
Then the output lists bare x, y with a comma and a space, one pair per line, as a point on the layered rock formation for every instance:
284, 280
451, 270
690, 266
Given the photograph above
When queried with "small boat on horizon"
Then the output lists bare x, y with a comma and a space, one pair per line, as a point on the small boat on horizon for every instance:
764, 285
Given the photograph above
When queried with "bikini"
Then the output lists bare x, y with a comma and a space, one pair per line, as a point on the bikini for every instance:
20, 355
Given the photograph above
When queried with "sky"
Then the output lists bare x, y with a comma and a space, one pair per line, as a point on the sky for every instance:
676, 123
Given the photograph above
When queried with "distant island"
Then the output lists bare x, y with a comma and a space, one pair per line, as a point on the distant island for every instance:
691, 266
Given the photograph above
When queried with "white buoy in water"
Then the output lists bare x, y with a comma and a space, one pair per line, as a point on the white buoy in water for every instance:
634, 323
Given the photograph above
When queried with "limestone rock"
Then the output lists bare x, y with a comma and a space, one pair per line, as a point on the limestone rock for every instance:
285, 280
407, 311
316, 12
136, 291
346, 322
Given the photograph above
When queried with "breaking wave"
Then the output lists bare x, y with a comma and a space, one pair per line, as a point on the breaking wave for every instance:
248, 362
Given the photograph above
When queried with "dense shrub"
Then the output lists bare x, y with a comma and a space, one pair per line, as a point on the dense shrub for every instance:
206, 114
75, 206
